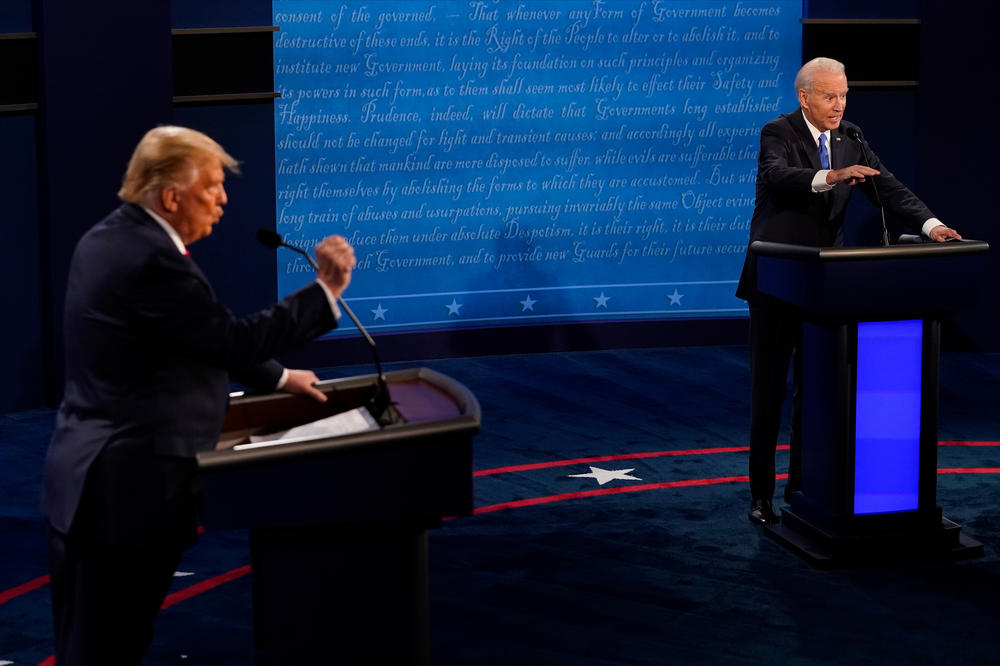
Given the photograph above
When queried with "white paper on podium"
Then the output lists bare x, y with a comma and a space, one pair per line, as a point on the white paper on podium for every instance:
344, 423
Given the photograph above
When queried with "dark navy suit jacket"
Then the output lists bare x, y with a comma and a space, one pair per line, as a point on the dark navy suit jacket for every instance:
788, 211
149, 357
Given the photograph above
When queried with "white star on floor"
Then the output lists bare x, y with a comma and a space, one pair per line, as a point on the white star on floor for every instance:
528, 304
379, 312
675, 298
602, 301
454, 307
602, 476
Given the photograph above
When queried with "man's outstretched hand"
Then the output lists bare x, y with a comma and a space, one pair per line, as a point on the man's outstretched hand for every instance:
851, 175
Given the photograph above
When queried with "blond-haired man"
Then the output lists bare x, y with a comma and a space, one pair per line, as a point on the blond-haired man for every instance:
150, 354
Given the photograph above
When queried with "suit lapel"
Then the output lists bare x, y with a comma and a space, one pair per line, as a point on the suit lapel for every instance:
837, 148
806, 141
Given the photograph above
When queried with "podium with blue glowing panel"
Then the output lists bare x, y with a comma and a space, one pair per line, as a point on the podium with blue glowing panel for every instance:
870, 341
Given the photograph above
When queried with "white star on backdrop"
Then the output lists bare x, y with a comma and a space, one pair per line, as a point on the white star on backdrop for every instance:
528, 304
602, 476
675, 298
379, 312
602, 300
454, 307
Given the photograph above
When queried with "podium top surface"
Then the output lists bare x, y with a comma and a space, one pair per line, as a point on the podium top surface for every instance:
417, 470
919, 250
429, 402
917, 281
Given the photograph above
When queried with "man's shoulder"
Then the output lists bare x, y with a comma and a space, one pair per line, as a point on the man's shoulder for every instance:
124, 240
786, 126
128, 224
793, 119
125, 214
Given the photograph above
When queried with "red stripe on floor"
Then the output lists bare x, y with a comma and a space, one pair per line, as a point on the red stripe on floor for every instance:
204, 586
23, 588
973, 443
969, 470
533, 501
659, 454
621, 456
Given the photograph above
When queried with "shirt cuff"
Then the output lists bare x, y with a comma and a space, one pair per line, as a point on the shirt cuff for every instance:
819, 183
282, 380
331, 299
930, 224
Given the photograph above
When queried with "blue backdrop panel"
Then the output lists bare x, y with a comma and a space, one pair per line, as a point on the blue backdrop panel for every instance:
522, 162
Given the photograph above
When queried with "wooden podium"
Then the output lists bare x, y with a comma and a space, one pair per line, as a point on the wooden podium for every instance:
338, 525
871, 342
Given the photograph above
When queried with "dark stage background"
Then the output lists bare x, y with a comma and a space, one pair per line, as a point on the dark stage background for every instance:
674, 574
78, 87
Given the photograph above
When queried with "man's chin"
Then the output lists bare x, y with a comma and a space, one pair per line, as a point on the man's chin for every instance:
204, 234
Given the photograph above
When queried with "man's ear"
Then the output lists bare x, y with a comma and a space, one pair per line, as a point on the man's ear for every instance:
170, 198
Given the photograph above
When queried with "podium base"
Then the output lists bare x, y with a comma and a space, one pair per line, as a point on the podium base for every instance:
353, 595
825, 549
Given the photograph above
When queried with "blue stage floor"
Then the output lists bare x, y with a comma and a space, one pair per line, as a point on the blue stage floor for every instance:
610, 528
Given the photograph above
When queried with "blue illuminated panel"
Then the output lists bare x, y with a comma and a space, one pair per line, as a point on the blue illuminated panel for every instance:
887, 418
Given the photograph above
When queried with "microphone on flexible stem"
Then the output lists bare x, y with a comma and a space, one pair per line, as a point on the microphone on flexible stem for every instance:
853, 133
380, 404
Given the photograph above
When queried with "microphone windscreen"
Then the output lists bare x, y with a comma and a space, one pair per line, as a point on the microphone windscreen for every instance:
270, 238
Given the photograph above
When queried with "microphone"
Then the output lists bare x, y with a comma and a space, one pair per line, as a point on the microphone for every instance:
853, 133
379, 403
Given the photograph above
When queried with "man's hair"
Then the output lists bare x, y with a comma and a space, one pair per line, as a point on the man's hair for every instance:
168, 155
804, 79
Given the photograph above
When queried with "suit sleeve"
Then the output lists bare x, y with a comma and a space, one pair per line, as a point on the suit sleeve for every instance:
896, 197
777, 165
261, 377
175, 306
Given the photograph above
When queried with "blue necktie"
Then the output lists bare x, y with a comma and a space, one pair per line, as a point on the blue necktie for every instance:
824, 154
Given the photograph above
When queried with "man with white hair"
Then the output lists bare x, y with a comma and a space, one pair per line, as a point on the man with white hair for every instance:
149, 357
810, 161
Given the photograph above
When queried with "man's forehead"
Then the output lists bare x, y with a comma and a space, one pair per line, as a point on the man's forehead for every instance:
211, 168
830, 83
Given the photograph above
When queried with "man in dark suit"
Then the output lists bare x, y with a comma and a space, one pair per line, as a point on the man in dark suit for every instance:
810, 162
149, 358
